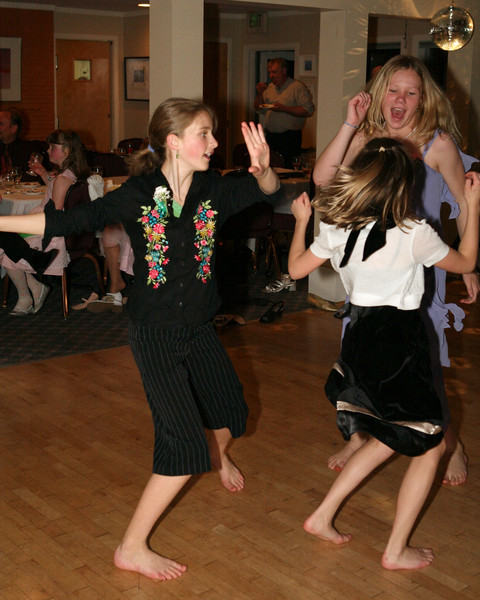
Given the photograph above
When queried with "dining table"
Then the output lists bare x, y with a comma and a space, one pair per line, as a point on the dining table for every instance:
23, 198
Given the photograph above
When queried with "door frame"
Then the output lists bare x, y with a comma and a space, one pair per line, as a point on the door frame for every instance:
229, 43
115, 83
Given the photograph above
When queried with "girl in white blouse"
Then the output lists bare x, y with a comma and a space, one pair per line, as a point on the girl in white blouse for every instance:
382, 383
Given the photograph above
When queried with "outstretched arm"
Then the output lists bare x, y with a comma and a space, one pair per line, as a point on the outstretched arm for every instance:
465, 259
346, 144
301, 262
260, 158
33, 223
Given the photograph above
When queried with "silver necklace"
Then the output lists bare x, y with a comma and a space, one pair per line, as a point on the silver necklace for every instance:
406, 137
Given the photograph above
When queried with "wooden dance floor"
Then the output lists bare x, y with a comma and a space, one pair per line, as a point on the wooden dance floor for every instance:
75, 453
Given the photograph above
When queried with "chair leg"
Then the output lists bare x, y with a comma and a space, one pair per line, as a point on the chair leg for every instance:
273, 249
102, 281
64, 293
6, 281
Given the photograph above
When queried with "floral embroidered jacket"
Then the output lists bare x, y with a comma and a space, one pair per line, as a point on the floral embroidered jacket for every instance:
174, 257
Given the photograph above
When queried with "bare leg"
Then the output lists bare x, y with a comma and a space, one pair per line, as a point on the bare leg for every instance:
367, 458
337, 461
112, 253
456, 471
133, 553
412, 495
230, 475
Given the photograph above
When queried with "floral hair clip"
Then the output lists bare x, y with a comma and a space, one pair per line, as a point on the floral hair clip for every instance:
381, 149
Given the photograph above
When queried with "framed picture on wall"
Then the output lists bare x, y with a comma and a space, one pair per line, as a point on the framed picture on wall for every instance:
10, 69
137, 78
308, 66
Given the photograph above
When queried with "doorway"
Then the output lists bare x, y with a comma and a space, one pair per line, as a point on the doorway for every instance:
83, 83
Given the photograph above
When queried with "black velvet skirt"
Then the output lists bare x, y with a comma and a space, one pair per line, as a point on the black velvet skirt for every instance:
382, 383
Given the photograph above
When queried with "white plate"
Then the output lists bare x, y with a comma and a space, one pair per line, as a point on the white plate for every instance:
267, 105
29, 184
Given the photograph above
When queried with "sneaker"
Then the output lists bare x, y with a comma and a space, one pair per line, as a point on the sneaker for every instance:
111, 302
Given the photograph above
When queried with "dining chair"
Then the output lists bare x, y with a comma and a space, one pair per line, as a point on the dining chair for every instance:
254, 222
131, 144
80, 245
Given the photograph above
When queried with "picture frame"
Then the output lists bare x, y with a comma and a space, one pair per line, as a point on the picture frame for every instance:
10, 69
308, 66
137, 78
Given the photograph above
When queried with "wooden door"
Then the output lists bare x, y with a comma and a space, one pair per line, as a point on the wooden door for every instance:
83, 91
215, 91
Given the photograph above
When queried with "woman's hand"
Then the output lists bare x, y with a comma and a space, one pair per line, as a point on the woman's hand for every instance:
38, 168
357, 108
302, 208
257, 147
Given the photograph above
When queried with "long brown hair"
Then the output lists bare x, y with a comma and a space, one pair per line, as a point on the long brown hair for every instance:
377, 185
172, 116
434, 111
76, 159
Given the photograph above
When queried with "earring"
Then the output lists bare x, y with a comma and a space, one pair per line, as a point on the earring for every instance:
177, 155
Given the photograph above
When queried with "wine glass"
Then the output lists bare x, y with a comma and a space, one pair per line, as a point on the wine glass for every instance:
8, 181
296, 163
35, 158
17, 174
96, 170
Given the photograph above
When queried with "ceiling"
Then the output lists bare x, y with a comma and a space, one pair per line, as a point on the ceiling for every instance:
128, 6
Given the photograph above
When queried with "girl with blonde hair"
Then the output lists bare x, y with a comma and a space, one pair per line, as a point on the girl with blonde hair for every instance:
406, 104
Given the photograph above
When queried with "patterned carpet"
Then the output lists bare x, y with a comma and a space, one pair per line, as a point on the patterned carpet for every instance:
48, 335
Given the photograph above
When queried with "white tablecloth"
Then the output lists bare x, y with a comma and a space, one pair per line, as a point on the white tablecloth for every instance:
21, 202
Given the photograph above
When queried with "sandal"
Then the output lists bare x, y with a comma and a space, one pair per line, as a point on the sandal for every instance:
274, 312
285, 283
93, 296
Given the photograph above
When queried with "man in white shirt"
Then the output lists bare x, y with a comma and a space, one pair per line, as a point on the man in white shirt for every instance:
286, 103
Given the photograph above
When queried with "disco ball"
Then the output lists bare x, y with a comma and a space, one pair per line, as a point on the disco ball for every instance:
451, 28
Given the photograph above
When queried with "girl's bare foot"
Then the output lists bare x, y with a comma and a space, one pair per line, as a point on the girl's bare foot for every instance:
325, 531
337, 461
148, 563
230, 475
410, 558
456, 472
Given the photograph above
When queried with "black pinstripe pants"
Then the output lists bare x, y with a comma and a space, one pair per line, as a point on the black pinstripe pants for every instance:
190, 385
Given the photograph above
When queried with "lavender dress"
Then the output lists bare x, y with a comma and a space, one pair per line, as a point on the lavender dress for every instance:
430, 191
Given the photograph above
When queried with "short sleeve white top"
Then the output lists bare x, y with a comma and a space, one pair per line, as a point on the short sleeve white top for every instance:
391, 276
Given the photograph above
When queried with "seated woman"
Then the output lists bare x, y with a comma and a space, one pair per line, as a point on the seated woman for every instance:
118, 253
66, 153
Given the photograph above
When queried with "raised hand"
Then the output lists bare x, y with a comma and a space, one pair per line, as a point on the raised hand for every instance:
302, 208
357, 108
257, 147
